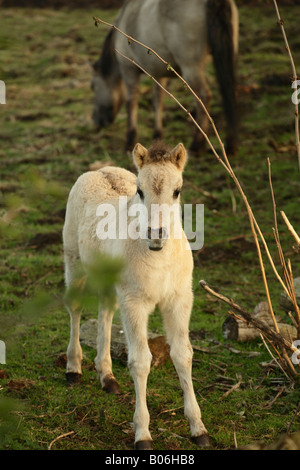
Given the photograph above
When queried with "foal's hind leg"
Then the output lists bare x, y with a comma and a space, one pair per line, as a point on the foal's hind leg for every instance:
176, 315
74, 351
103, 360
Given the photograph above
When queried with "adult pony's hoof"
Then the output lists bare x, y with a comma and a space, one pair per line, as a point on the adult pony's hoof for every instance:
201, 441
73, 378
143, 445
110, 385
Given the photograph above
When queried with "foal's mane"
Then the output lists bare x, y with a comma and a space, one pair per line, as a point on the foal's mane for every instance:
159, 152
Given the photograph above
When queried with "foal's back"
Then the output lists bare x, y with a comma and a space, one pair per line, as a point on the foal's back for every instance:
91, 189
108, 183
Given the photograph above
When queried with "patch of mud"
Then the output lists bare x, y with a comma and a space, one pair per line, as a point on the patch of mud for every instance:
226, 251
41, 240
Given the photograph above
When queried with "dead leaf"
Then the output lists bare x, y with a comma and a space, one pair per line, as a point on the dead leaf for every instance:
3, 374
18, 385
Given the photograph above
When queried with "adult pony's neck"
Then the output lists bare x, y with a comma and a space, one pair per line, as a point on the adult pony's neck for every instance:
107, 65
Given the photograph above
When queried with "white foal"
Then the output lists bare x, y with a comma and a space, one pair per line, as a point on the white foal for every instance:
158, 272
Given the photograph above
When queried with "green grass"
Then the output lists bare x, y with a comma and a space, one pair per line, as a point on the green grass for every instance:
47, 141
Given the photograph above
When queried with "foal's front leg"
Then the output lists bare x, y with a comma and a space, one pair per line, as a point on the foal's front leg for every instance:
135, 319
103, 360
176, 316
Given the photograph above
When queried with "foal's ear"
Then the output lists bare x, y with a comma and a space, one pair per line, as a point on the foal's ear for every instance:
140, 156
178, 156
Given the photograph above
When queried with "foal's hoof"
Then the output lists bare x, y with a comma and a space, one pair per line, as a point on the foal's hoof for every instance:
73, 378
143, 445
201, 441
110, 385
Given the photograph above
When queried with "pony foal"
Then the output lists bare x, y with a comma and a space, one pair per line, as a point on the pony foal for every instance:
158, 272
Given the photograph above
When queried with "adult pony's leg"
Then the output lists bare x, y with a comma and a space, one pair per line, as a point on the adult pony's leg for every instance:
196, 79
176, 315
132, 89
103, 360
135, 319
158, 103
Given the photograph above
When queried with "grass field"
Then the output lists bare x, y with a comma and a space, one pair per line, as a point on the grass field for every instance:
47, 141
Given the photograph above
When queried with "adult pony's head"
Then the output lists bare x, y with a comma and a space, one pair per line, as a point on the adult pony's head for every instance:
159, 183
108, 86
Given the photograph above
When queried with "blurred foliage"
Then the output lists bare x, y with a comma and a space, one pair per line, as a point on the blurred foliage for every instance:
9, 421
96, 285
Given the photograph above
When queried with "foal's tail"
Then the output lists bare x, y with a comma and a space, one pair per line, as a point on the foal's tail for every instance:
219, 17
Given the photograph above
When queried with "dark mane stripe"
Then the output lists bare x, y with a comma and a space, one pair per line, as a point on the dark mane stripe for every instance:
159, 152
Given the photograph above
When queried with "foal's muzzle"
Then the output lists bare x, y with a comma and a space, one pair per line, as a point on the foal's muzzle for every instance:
156, 238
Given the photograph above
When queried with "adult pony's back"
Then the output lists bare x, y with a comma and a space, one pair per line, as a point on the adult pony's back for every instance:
184, 34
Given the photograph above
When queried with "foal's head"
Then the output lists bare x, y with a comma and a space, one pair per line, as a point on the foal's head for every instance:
159, 184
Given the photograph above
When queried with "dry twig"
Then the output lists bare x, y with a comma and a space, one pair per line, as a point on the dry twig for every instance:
291, 228
232, 389
60, 437
287, 46
234, 435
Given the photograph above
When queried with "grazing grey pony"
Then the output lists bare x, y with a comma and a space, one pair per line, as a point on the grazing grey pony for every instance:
184, 33
158, 272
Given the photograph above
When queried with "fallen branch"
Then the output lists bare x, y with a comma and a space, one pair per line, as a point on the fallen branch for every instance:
238, 329
266, 330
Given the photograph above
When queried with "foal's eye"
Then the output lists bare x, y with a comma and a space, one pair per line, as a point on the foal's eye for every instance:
140, 193
176, 193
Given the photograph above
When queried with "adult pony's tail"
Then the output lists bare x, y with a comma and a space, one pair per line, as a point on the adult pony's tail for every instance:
221, 42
